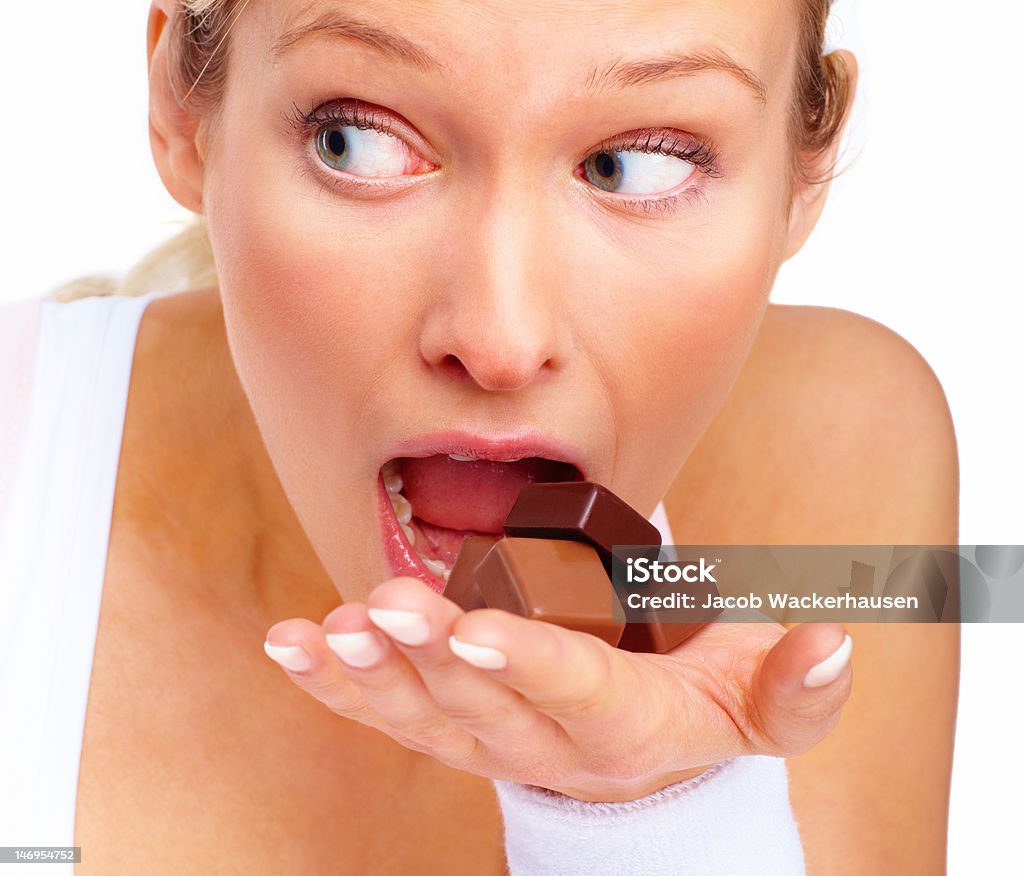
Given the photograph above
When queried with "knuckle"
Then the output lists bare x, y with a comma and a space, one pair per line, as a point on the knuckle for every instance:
471, 714
584, 692
429, 729
406, 741
355, 708
768, 736
773, 743
320, 685
732, 699
441, 739
463, 748
338, 697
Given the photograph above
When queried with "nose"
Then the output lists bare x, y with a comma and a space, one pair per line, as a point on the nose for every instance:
499, 318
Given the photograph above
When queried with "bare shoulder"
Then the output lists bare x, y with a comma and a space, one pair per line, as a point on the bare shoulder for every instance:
838, 431
833, 417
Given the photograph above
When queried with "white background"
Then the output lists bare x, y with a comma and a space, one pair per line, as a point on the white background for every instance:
922, 233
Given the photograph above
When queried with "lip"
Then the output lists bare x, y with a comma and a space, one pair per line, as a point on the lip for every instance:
493, 446
402, 558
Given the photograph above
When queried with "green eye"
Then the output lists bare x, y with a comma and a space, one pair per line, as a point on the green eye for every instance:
332, 146
631, 171
603, 170
363, 151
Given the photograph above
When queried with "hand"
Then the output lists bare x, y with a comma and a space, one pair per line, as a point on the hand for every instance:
560, 709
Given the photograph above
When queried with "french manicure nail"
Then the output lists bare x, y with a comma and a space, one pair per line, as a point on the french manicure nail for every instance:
291, 657
481, 656
831, 667
407, 627
356, 649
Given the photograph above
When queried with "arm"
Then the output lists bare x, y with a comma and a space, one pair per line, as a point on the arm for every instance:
860, 449
874, 795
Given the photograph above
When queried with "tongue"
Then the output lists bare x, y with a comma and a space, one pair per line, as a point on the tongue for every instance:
438, 542
474, 495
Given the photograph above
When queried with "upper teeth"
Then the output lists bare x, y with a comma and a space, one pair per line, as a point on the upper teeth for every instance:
392, 478
459, 458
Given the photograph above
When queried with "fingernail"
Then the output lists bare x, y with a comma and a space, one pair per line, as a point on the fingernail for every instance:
407, 627
291, 657
356, 649
480, 656
831, 667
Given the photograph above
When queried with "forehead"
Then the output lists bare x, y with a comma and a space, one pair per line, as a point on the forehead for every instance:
589, 40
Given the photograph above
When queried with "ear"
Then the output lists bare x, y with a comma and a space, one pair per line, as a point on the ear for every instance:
172, 129
809, 198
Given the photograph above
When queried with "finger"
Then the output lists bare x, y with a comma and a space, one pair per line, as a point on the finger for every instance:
392, 687
420, 622
800, 687
297, 646
574, 678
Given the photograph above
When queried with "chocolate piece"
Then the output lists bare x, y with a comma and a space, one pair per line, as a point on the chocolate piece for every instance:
656, 637
461, 587
580, 511
557, 563
560, 582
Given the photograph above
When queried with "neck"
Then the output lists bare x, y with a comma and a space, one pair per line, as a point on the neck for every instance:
226, 527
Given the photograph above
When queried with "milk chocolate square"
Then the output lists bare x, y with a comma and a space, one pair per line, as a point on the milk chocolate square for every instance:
553, 580
462, 588
656, 637
560, 536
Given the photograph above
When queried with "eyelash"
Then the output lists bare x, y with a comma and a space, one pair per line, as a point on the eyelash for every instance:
701, 153
338, 114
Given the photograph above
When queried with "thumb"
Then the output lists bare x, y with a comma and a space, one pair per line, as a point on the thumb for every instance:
800, 688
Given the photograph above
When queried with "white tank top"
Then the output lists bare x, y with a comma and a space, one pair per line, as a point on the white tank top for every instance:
64, 375
64, 371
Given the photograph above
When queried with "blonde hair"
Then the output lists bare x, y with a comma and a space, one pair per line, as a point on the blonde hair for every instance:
183, 262
197, 68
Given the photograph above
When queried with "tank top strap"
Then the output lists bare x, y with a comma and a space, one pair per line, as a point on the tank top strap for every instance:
19, 338
53, 548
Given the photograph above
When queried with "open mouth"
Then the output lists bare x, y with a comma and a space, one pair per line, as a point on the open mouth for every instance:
429, 505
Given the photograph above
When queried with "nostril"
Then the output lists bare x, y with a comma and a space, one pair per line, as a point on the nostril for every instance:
494, 373
451, 366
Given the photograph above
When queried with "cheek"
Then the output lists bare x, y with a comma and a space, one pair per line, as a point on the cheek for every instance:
323, 302
695, 306
302, 301
314, 328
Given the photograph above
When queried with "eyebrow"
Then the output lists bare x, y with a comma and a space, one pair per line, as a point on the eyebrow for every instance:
623, 74
619, 74
340, 26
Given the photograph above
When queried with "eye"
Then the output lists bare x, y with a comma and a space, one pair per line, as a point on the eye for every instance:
358, 140
630, 172
367, 152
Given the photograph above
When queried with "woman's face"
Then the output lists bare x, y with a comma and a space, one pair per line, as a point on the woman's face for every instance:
500, 230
